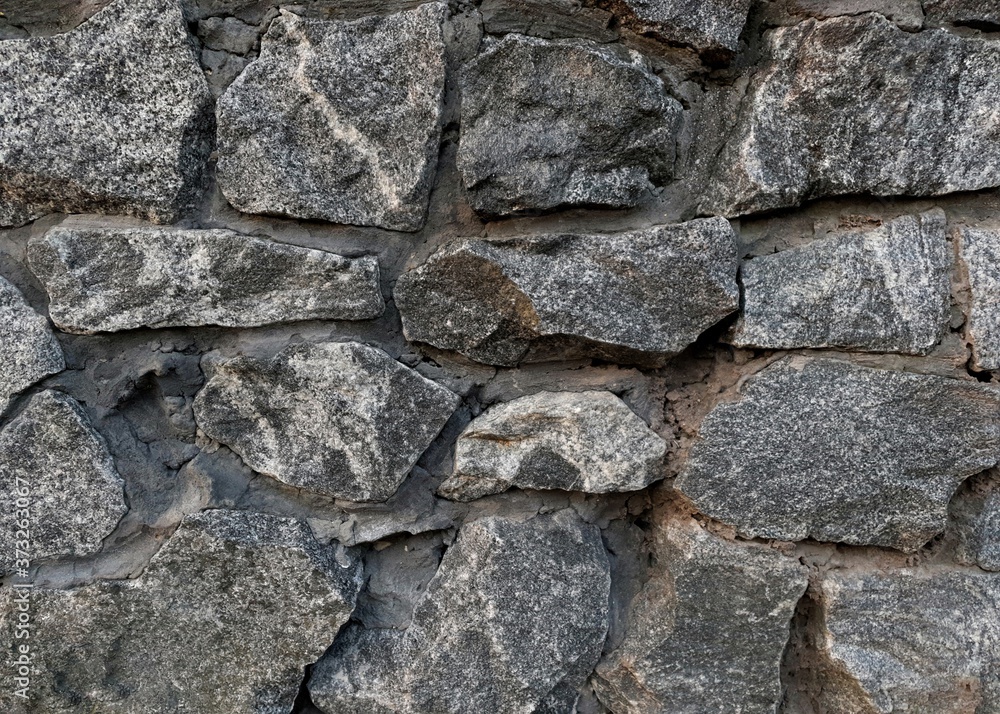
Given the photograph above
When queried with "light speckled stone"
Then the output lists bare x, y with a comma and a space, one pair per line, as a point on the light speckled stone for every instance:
28, 350
565, 122
634, 296
707, 632
338, 121
121, 279
882, 290
338, 418
963, 12
823, 449
224, 619
854, 105
985, 540
51, 455
132, 129
979, 249
515, 616
704, 24
574, 441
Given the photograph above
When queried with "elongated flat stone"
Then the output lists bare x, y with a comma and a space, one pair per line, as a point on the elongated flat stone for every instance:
121, 279
338, 418
963, 12
113, 117
854, 105
338, 121
883, 290
979, 249
514, 618
707, 25
823, 449
28, 350
635, 296
574, 441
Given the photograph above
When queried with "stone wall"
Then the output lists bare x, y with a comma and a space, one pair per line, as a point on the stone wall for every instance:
534, 356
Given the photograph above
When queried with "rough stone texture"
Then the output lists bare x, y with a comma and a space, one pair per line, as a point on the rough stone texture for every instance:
574, 441
548, 19
108, 280
920, 642
963, 12
987, 534
565, 122
882, 290
856, 105
133, 127
707, 632
313, 130
224, 619
338, 418
979, 249
51, 456
704, 24
827, 450
514, 619
28, 349
637, 295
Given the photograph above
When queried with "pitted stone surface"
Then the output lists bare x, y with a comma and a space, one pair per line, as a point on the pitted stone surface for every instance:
51, 457
113, 117
338, 418
338, 121
963, 12
882, 290
823, 449
634, 296
703, 24
980, 252
224, 619
565, 122
855, 105
708, 631
574, 441
28, 350
515, 616
121, 279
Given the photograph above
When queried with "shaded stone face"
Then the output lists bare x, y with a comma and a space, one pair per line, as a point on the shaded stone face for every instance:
224, 619
637, 296
133, 128
707, 632
884, 290
121, 279
822, 449
514, 619
963, 12
574, 441
338, 418
53, 463
855, 105
28, 349
560, 123
703, 24
338, 121
979, 249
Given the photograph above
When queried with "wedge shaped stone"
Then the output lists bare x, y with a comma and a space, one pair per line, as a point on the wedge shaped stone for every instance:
980, 253
707, 25
28, 350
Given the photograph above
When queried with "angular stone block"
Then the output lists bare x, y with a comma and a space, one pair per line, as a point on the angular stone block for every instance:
28, 349
979, 249
963, 12
706, 25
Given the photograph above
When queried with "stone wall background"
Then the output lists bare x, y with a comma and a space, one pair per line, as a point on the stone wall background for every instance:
804, 518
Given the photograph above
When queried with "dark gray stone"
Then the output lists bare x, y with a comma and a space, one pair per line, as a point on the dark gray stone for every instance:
28, 350
133, 127
856, 105
708, 631
711, 25
823, 449
963, 12
635, 296
338, 418
979, 249
517, 613
228, 34
548, 18
574, 441
338, 121
104, 280
883, 290
566, 122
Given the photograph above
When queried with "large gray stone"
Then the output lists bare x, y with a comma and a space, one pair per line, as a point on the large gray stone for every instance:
57, 482
338, 418
707, 25
823, 449
121, 279
856, 105
921, 642
515, 616
113, 117
707, 632
224, 619
565, 122
979, 249
28, 350
963, 12
574, 441
640, 296
338, 121
882, 290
